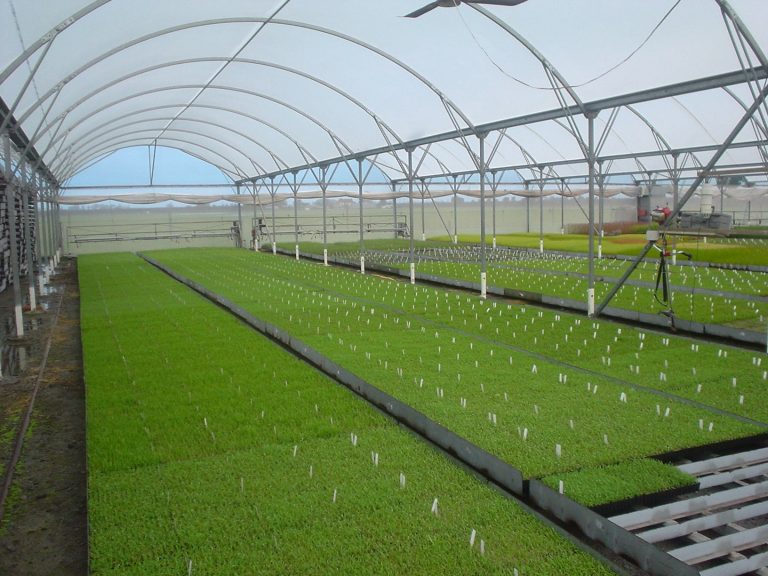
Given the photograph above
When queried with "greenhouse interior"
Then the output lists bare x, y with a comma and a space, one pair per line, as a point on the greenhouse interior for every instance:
403, 287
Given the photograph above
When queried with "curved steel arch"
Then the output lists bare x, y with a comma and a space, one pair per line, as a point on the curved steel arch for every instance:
313, 120
49, 37
75, 160
104, 155
337, 140
212, 22
281, 67
274, 156
212, 107
135, 142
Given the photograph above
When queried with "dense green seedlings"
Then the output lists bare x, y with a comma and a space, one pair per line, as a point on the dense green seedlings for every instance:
593, 486
546, 391
213, 451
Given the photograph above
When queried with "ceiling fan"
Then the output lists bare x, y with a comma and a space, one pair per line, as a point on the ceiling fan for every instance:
453, 3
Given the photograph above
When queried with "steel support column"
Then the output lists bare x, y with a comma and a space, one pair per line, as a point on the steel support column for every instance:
12, 230
591, 224
295, 190
324, 189
394, 211
601, 207
455, 211
494, 186
239, 219
562, 206
483, 263
27, 225
360, 203
272, 194
411, 255
541, 211
423, 226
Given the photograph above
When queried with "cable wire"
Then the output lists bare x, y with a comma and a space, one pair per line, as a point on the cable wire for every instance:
587, 82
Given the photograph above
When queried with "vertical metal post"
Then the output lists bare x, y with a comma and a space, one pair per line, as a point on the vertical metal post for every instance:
51, 239
601, 203
272, 193
29, 253
58, 229
493, 207
12, 230
394, 211
296, 214
483, 263
591, 223
675, 201
255, 228
541, 211
722, 196
562, 206
423, 227
324, 188
360, 202
411, 255
455, 211
527, 210
39, 235
239, 219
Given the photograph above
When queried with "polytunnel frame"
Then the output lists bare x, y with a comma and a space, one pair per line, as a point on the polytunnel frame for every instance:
590, 112
382, 126
752, 74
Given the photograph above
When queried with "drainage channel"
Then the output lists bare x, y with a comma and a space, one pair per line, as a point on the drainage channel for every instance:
607, 541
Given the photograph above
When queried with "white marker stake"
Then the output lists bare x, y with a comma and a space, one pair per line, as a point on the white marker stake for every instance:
482, 547
561, 487
295, 449
402, 480
311, 471
558, 450
334, 495
434, 507
472, 536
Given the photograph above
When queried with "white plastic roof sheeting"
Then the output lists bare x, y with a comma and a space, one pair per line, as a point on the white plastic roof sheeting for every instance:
261, 86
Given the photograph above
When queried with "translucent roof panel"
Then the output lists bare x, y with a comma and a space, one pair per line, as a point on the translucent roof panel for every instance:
260, 87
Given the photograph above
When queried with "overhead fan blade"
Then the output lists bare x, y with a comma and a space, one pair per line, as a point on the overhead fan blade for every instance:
423, 10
